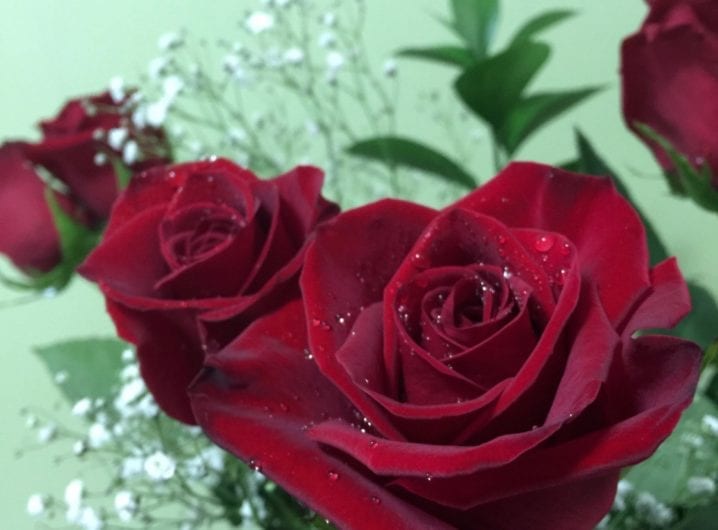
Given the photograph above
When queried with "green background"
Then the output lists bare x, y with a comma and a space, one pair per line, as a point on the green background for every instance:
54, 50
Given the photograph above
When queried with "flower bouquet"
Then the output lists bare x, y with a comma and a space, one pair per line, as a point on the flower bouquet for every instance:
327, 319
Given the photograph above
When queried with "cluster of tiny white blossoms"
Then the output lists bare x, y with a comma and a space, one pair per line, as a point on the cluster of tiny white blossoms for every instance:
154, 466
638, 509
293, 86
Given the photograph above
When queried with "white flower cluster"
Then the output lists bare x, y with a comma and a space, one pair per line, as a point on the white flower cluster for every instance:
153, 463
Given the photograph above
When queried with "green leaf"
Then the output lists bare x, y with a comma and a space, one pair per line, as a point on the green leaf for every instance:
451, 55
591, 163
393, 150
123, 174
699, 518
695, 183
532, 112
475, 22
91, 366
664, 474
700, 324
541, 23
492, 87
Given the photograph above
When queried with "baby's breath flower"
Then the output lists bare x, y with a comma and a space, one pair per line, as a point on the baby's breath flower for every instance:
327, 39
98, 435
170, 41
82, 407
125, 505
293, 55
157, 67
701, 486
117, 89
259, 21
159, 466
390, 68
652, 510
710, 424
335, 60
116, 137
36, 505
46, 433
90, 520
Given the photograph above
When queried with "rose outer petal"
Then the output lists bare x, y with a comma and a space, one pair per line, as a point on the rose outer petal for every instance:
599, 222
670, 80
258, 397
28, 236
338, 280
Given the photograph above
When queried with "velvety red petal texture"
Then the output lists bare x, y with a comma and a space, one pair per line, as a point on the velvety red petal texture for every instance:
473, 368
28, 236
193, 254
670, 78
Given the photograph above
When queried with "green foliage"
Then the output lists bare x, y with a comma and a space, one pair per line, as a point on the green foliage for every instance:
540, 23
447, 54
90, 367
528, 114
666, 472
475, 22
493, 86
396, 151
700, 324
123, 174
695, 183
700, 518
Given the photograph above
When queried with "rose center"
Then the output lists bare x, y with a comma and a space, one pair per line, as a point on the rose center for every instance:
195, 233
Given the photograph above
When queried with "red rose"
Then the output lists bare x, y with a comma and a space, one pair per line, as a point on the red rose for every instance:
85, 129
28, 236
194, 253
71, 150
473, 368
670, 78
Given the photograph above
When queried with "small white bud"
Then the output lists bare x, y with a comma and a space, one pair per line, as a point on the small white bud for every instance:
35, 505
259, 21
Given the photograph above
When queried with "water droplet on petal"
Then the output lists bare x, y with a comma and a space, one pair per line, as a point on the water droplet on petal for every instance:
376, 500
544, 243
308, 354
428, 477
373, 444
255, 466
333, 476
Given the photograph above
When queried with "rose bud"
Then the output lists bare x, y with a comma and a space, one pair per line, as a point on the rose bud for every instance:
75, 153
476, 367
196, 252
670, 79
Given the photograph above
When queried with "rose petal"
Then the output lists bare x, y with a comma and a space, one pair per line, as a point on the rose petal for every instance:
28, 236
599, 222
666, 303
240, 406
340, 279
168, 352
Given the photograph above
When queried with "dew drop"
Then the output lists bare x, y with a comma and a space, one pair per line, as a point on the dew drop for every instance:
340, 320
321, 324
283, 407
501, 239
308, 354
376, 500
428, 477
544, 243
333, 476
373, 444
255, 466
420, 261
